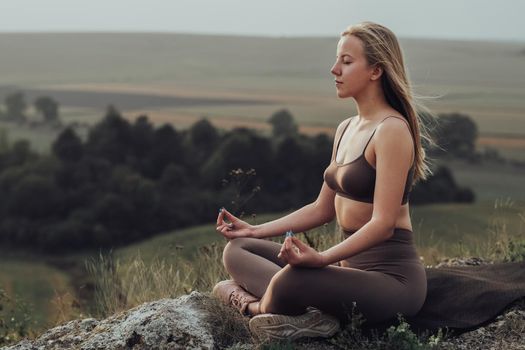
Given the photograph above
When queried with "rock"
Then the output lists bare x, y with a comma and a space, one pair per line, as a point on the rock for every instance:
470, 261
163, 324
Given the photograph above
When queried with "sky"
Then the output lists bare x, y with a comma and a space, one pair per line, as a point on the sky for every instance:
446, 19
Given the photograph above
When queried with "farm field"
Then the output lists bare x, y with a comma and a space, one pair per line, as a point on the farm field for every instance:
241, 81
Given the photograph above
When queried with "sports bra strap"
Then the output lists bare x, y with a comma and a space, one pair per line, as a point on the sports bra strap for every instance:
390, 116
336, 146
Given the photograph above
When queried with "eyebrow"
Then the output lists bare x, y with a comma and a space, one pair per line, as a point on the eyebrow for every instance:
345, 54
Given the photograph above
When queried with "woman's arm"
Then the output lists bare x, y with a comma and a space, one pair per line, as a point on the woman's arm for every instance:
311, 215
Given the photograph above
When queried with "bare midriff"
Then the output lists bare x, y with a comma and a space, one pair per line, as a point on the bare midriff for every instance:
352, 215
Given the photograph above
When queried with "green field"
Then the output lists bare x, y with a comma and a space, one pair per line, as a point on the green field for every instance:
37, 285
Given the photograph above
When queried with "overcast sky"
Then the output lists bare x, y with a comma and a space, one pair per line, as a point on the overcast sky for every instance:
450, 19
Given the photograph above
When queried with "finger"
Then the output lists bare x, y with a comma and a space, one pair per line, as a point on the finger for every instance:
225, 230
220, 218
294, 248
290, 252
299, 244
289, 244
219, 227
229, 215
284, 247
222, 227
284, 255
227, 226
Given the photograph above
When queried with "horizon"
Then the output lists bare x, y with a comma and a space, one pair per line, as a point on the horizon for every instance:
255, 36
468, 20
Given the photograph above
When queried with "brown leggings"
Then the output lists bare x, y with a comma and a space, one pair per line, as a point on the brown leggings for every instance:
383, 280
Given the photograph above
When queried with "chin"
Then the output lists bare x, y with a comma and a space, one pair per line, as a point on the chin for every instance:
342, 95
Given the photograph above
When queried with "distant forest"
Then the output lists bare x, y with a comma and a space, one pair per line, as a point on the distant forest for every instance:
130, 181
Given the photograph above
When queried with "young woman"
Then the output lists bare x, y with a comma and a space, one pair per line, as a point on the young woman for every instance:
292, 290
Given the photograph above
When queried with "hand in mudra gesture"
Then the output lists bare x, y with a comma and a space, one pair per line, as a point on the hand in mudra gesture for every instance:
297, 253
235, 228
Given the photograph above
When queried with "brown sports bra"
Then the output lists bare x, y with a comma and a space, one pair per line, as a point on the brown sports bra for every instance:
356, 179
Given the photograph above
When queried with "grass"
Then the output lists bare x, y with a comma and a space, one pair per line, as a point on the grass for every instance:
38, 283
490, 181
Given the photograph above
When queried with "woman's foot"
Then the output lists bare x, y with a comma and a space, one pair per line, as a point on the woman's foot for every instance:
230, 292
313, 323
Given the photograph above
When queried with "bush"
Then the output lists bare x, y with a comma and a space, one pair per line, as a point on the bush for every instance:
15, 319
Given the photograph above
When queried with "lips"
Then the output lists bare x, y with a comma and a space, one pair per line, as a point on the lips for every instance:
338, 82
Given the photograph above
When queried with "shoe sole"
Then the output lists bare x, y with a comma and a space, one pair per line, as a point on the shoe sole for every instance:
313, 323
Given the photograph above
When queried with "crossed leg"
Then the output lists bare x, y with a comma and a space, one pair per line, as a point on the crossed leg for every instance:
286, 289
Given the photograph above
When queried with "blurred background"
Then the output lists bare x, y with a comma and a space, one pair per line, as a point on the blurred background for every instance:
126, 125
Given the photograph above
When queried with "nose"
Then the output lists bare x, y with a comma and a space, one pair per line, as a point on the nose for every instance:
335, 69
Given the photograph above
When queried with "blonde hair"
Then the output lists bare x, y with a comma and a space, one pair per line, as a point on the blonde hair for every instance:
381, 47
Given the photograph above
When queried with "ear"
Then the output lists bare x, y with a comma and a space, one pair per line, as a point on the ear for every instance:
377, 71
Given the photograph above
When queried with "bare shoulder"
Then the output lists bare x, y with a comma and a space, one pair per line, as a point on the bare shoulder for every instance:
394, 126
394, 135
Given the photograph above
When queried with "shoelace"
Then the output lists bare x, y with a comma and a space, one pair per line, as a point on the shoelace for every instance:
239, 299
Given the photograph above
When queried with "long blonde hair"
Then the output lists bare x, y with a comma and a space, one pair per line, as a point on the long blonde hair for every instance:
381, 47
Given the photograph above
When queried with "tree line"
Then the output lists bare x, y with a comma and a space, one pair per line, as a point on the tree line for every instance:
129, 181
15, 109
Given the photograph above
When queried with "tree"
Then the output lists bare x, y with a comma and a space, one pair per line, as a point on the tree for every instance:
283, 123
166, 148
142, 137
241, 148
111, 138
20, 153
47, 107
4, 141
204, 139
68, 146
15, 107
35, 197
457, 135
441, 187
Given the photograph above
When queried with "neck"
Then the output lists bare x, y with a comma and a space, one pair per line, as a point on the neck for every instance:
370, 103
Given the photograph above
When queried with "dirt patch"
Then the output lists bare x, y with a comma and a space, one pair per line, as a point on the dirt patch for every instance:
505, 142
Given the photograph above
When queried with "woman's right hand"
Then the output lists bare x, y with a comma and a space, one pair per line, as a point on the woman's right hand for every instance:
235, 228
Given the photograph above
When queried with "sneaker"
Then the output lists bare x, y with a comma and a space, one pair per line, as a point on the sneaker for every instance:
230, 292
313, 323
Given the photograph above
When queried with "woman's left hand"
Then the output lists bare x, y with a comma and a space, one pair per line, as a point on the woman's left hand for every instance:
305, 256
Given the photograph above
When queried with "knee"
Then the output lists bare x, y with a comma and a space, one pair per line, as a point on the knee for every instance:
283, 293
287, 281
230, 252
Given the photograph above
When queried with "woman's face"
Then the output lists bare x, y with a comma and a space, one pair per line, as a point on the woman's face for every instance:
351, 70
